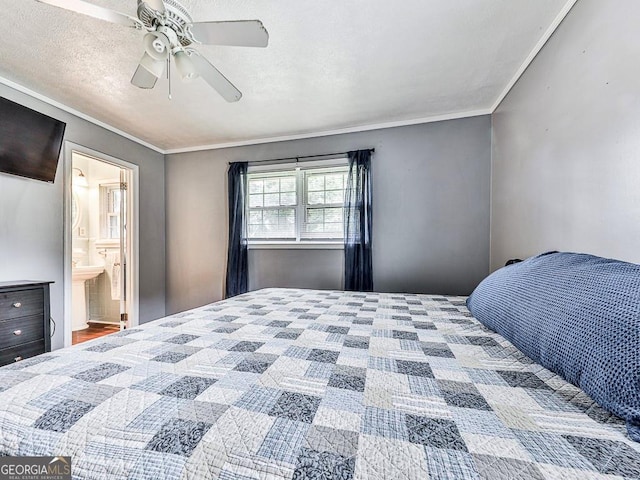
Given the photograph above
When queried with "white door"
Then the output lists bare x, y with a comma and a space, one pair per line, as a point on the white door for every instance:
124, 250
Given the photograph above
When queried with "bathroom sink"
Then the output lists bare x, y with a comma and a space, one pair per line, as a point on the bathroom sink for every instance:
86, 272
79, 275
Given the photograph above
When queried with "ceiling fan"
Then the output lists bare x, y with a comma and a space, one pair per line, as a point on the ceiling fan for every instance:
171, 32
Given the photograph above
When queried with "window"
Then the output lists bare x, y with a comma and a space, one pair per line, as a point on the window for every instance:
323, 203
272, 205
110, 195
297, 205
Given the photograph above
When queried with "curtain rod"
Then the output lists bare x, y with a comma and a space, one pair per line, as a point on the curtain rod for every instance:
303, 157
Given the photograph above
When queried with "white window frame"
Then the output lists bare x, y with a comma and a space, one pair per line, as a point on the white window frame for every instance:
106, 190
297, 243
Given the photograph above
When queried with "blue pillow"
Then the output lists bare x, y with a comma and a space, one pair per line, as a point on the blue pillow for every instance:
577, 315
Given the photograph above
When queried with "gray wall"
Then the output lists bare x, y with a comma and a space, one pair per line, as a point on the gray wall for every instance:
566, 143
431, 214
319, 269
31, 216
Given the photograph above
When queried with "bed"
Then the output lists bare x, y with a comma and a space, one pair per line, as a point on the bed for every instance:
303, 384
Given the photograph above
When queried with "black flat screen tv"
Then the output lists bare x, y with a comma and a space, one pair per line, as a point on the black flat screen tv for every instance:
30, 142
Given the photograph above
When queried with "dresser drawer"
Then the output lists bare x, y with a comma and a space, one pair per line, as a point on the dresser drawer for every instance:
21, 330
15, 354
21, 303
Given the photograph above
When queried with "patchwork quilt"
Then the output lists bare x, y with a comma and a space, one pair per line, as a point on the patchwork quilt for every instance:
306, 385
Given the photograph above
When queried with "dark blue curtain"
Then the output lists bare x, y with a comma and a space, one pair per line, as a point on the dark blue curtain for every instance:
358, 263
237, 256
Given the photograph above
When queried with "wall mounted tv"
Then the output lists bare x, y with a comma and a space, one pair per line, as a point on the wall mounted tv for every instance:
30, 142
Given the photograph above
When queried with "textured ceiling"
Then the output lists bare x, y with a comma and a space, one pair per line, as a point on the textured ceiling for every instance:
330, 64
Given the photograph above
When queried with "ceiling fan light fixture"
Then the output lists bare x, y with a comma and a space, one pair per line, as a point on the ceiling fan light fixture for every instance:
157, 45
185, 66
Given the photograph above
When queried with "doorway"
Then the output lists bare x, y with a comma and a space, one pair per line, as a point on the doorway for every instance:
101, 245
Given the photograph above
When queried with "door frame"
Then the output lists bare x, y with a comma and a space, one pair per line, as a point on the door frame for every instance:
134, 227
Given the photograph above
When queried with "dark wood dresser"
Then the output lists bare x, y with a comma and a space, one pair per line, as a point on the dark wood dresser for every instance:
24, 320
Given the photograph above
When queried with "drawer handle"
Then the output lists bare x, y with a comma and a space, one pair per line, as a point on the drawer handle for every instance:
17, 359
17, 332
17, 305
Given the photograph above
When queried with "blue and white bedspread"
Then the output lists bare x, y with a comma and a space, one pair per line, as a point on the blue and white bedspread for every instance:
282, 384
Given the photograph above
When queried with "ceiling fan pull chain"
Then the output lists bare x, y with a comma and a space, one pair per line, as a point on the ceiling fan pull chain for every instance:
169, 74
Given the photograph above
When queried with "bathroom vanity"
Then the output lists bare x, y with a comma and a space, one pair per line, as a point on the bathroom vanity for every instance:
24, 320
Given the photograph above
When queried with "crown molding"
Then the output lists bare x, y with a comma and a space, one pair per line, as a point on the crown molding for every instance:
215, 146
43, 98
340, 131
534, 52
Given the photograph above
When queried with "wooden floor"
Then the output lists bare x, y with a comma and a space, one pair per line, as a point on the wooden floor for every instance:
95, 330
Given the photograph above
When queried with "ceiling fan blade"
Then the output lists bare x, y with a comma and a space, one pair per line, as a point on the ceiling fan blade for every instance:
148, 72
143, 78
214, 78
241, 33
95, 11
157, 5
